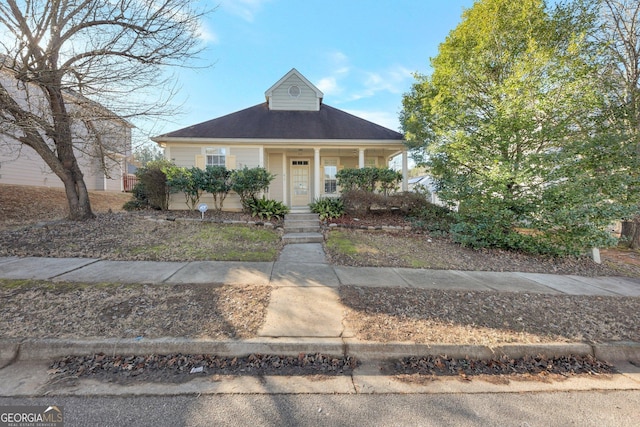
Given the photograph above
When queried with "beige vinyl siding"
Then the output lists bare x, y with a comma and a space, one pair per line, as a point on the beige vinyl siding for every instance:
249, 157
275, 167
281, 100
231, 203
185, 156
26, 167
21, 165
348, 162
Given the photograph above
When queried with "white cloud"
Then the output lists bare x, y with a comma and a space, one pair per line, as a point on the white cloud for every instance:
352, 84
338, 57
328, 86
246, 9
340, 69
392, 80
207, 35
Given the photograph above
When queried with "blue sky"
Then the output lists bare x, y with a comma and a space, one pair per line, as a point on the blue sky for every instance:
361, 54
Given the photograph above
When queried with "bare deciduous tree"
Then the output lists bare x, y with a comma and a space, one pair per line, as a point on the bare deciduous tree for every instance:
621, 37
69, 63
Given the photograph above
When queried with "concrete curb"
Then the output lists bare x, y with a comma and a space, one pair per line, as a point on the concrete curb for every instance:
618, 351
48, 349
9, 352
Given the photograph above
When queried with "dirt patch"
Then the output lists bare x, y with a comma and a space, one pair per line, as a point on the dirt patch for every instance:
487, 318
20, 205
66, 310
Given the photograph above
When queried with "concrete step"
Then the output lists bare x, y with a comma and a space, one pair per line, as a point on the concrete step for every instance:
298, 230
302, 238
301, 225
301, 217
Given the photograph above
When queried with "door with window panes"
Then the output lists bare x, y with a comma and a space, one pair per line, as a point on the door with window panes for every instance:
300, 183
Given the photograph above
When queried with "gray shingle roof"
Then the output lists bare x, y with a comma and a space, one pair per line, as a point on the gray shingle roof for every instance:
258, 122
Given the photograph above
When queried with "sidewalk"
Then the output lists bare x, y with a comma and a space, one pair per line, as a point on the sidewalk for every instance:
303, 265
305, 314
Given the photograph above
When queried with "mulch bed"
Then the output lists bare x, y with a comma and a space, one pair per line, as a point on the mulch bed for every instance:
185, 367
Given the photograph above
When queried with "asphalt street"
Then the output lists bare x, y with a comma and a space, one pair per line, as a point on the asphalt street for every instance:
591, 408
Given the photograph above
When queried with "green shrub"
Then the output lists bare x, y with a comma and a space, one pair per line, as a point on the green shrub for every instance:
360, 202
189, 181
266, 208
328, 208
369, 179
151, 191
433, 218
388, 180
217, 181
248, 183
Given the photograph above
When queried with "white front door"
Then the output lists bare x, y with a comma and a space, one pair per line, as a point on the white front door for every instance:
300, 183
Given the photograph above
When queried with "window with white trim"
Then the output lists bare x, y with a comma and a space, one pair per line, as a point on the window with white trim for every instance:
216, 157
330, 171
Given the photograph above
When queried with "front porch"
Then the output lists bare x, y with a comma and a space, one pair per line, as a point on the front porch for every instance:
307, 174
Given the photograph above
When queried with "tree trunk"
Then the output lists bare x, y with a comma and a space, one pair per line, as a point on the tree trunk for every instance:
70, 173
630, 233
77, 196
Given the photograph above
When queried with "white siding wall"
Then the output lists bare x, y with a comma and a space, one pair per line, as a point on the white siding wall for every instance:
281, 100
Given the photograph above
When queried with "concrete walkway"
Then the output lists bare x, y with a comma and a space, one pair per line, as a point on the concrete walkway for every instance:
304, 302
304, 315
304, 265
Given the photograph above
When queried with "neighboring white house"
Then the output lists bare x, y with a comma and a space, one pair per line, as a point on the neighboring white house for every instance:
103, 164
422, 183
294, 135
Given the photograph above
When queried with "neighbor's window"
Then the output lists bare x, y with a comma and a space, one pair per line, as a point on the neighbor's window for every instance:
330, 170
216, 157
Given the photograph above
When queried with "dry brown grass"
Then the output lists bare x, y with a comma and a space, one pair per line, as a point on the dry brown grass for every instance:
20, 204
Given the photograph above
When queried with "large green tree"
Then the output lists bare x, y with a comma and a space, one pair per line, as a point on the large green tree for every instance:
511, 126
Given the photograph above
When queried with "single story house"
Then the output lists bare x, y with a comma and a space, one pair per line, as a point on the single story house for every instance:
294, 135
103, 160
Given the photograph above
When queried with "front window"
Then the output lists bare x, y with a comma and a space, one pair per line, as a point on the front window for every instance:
216, 157
330, 170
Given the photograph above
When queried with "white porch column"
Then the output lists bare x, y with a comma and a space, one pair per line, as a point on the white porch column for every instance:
261, 157
316, 173
360, 158
405, 171
285, 174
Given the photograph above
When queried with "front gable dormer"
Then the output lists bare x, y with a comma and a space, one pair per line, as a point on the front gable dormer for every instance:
294, 92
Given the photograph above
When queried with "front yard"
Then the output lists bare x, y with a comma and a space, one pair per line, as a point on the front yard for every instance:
354, 247
125, 236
